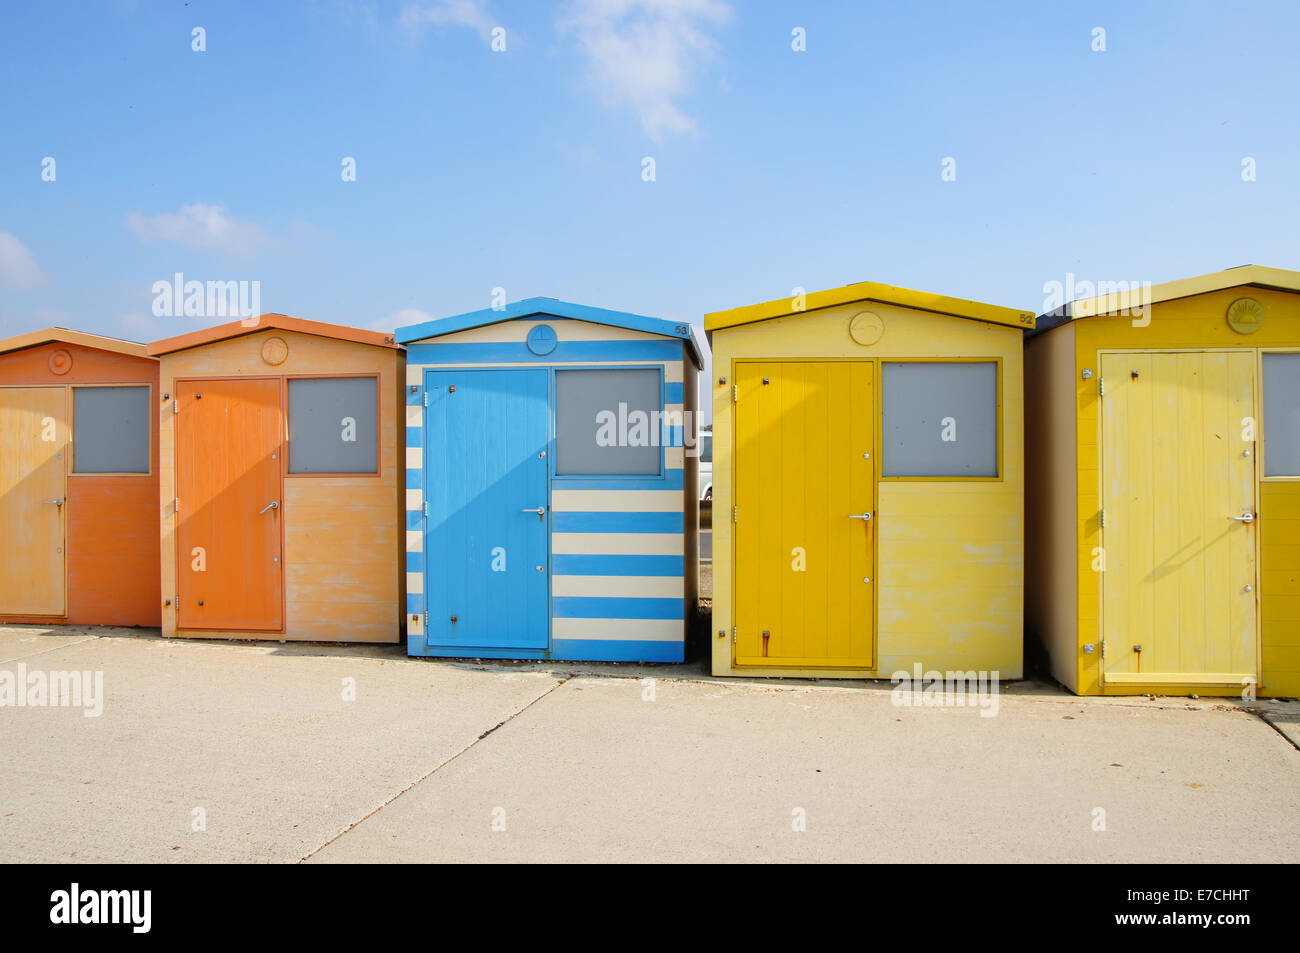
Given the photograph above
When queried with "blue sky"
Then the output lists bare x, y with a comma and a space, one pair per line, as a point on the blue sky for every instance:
522, 169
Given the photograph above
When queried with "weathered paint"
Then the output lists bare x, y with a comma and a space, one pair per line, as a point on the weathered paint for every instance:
619, 554
107, 529
1182, 317
340, 578
947, 581
33, 425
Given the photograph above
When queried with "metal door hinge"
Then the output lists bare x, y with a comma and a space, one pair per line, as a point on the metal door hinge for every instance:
426, 398
176, 405
733, 635
426, 507
735, 514
178, 602
1101, 518
176, 504
1101, 386
1103, 648
735, 393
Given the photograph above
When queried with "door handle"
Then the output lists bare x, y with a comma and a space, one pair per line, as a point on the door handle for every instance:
859, 516
58, 502
540, 511
1244, 518
273, 505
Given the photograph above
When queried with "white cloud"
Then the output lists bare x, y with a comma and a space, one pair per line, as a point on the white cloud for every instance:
18, 267
199, 225
643, 54
466, 13
400, 319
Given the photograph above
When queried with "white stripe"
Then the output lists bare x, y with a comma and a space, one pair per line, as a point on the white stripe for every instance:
414, 541
415, 582
617, 501
542, 364
619, 587
414, 415
672, 372
620, 630
617, 544
414, 375
414, 458
414, 500
515, 331
674, 457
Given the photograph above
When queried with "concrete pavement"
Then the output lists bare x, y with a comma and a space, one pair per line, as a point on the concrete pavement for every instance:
446, 761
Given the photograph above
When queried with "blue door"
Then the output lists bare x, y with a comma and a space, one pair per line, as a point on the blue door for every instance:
486, 577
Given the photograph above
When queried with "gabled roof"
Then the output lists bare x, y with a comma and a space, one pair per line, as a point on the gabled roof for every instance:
1135, 296
530, 307
871, 291
280, 322
64, 336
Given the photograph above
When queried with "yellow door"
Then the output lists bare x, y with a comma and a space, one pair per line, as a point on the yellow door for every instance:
1178, 504
804, 534
33, 488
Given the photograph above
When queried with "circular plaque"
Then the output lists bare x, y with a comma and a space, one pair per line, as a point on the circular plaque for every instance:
60, 362
275, 351
866, 328
1245, 315
542, 339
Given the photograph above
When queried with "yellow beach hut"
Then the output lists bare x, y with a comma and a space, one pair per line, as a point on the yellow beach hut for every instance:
868, 485
1163, 430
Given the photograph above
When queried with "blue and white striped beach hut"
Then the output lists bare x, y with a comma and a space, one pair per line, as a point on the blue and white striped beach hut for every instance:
551, 505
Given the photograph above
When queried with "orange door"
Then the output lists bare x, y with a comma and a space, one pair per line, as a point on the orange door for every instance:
33, 491
228, 453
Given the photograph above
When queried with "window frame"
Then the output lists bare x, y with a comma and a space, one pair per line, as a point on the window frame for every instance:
660, 477
150, 421
379, 433
998, 420
1261, 442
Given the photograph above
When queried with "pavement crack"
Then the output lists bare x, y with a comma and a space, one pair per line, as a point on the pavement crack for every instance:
432, 771
1263, 716
47, 651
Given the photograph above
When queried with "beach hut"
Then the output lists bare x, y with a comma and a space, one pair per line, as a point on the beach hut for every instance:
281, 482
867, 485
78, 480
1163, 429
551, 501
